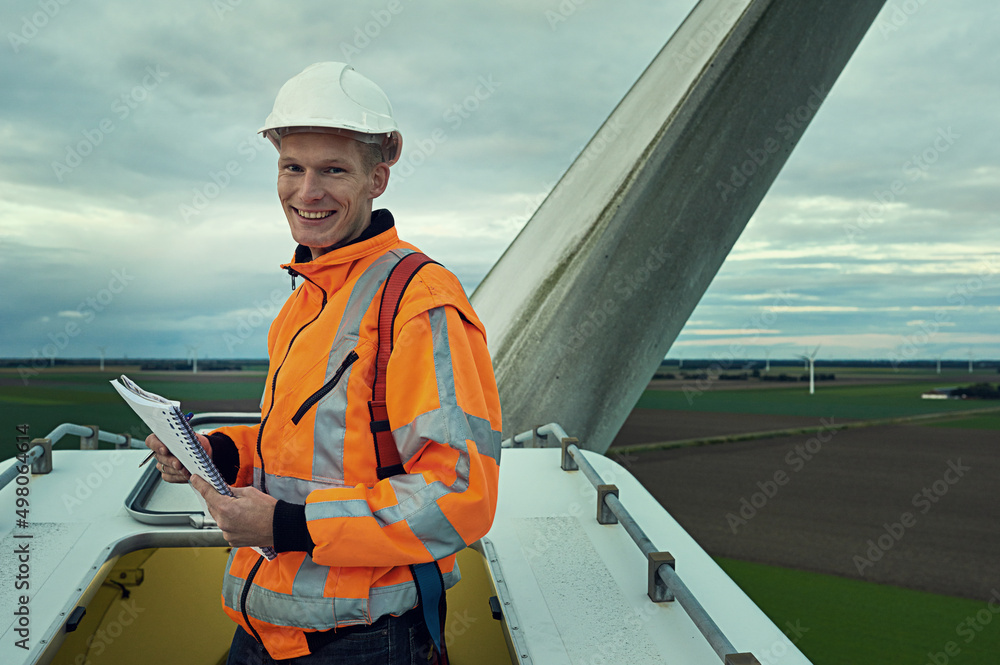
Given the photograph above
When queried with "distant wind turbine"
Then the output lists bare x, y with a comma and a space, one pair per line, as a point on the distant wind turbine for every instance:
767, 361
101, 349
811, 364
970, 361
939, 365
193, 358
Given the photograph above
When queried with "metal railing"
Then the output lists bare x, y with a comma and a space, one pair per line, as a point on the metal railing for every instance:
664, 584
39, 455
90, 435
30, 457
219, 418
554, 430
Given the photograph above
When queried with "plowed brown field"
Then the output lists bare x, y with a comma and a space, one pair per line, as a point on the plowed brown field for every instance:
905, 505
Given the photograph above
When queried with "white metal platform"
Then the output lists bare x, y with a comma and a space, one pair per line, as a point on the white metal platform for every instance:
575, 589
579, 587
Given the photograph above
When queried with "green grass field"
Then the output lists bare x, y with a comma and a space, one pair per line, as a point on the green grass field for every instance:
830, 400
838, 621
87, 398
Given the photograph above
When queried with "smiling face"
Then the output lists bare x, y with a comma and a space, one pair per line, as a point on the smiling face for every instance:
325, 188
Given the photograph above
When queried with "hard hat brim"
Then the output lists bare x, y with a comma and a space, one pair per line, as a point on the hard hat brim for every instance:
391, 143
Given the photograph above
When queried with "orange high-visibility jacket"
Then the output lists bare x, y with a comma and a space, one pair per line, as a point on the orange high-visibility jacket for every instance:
314, 446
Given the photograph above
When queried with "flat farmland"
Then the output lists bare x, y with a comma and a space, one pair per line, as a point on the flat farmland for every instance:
876, 539
832, 399
814, 499
877, 543
53, 397
817, 503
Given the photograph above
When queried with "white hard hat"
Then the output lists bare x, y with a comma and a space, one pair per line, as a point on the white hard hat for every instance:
333, 97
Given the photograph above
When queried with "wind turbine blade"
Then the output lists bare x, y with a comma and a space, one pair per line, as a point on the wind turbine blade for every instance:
587, 300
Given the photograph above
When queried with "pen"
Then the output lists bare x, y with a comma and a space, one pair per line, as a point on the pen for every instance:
150, 455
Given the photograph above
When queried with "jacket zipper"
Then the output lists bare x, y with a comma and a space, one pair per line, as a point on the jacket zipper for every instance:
274, 383
260, 435
246, 592
327, 387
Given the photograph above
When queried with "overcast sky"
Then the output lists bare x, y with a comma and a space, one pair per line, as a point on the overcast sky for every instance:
138, 208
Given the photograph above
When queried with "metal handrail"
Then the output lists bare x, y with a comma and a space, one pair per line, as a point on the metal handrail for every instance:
120, 440
716, 638
39, 457
69, 429
552, 429
14, 471
225, 418
676, 586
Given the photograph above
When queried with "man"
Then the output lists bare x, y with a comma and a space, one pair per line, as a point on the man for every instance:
341, 588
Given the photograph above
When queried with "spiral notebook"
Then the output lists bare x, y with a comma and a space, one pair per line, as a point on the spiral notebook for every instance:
169, 424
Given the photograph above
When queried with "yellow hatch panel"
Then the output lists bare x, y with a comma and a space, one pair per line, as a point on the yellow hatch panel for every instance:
173, 612
472, 635
162, 606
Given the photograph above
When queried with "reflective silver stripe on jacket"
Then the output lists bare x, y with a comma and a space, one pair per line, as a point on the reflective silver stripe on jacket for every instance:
303, 608
330, 423
330, 419
292, 490
447, 424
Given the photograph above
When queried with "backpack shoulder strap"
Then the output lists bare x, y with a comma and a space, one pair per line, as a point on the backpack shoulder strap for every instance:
386, 453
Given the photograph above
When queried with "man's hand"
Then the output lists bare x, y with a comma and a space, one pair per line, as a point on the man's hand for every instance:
170, 467
246, 520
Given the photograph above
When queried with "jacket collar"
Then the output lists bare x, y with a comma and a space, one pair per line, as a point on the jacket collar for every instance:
331, 270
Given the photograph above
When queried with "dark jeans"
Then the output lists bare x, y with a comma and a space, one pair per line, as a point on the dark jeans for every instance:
401, 640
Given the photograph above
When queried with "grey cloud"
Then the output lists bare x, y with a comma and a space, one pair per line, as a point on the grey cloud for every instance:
559, 80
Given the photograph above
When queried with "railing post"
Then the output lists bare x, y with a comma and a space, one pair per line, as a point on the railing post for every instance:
568, 463
656, 589
604, 512
90, 442
43, 464
125, 444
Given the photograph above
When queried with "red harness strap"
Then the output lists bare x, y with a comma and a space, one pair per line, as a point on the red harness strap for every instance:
386, 453
427, 576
